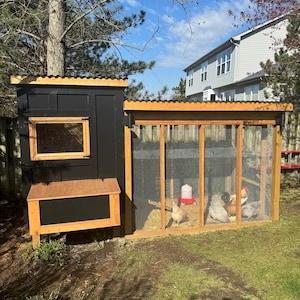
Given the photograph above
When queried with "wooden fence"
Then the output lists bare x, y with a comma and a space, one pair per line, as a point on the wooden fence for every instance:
10, 162
10, 165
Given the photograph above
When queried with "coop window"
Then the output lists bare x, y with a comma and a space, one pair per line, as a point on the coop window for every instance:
52, 138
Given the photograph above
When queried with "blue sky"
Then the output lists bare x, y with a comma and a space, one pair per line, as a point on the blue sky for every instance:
175, 38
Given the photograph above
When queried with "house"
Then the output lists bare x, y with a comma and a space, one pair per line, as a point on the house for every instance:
232, 72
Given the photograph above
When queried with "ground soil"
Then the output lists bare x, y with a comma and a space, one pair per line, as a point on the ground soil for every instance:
90, 269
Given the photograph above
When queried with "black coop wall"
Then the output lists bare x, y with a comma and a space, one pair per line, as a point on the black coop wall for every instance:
101, 105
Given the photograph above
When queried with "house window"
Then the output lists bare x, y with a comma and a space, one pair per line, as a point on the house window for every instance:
224, 62
52, 138
227, 96
203, 71
251, 93
190, 76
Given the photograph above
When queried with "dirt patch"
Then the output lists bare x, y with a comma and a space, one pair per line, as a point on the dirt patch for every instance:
93, 270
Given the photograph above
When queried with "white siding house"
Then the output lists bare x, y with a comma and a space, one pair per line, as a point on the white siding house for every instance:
232, 72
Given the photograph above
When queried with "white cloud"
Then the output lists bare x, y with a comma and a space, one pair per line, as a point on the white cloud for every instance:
133, 3
188, 40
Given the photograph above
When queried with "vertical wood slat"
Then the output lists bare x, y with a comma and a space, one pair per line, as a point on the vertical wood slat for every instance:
4, 169
114, 208
201, 175
276, 162
128, 181
162, 176
34, 222
238, 179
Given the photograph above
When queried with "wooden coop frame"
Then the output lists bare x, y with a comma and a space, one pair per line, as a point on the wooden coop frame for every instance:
159, 113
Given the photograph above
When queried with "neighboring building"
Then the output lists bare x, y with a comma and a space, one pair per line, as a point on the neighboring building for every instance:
232, 72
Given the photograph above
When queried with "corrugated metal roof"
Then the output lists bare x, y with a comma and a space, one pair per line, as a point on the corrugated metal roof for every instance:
58, 80
139, 105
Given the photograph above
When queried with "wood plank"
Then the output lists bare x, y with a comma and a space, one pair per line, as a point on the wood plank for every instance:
128, 182
74, 226
206, 106
250, 181
173, 121
34, 80
238, 179
276, 162
201, 175
34, 222
193, 230
73, 189
114, 208
162, 176
34, 217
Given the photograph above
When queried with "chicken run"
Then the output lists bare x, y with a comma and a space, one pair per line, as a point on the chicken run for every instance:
218, 203
221, 209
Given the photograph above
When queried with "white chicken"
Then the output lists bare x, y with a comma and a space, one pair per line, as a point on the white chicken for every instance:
217, 211
250, 209
178, 214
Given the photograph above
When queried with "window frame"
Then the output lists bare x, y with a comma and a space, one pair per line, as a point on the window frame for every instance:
190, 76
223, 61
35, 156
251, 93
203, 71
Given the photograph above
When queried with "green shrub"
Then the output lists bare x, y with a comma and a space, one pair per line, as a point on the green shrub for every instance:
51, 251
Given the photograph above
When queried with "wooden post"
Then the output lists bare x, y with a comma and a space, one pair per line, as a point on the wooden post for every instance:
276, 172
114, 207
238, 181
128, 226
34, 222
162, 176
201, 175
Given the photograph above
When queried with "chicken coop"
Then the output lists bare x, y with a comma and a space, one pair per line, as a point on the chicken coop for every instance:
145, 168
197, 166
72, 152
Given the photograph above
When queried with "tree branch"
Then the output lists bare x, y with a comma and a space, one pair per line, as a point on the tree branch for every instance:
103, 41
93, 7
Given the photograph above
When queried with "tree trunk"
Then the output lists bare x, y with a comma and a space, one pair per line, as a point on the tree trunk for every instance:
55, 46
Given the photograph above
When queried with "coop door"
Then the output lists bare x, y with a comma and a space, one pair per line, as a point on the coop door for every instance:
171, 160
257, 171
220, 158
182, 175
146, 175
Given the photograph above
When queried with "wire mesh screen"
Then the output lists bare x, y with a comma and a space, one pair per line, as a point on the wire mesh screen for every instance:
257, 167
146, 176
181, 166
182, 175
219, 169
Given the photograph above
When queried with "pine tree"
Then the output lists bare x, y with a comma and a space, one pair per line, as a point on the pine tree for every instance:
282, 75
179, 91
65, 38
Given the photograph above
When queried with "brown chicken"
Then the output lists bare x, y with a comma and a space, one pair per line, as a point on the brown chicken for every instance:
230, 201
178, 214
